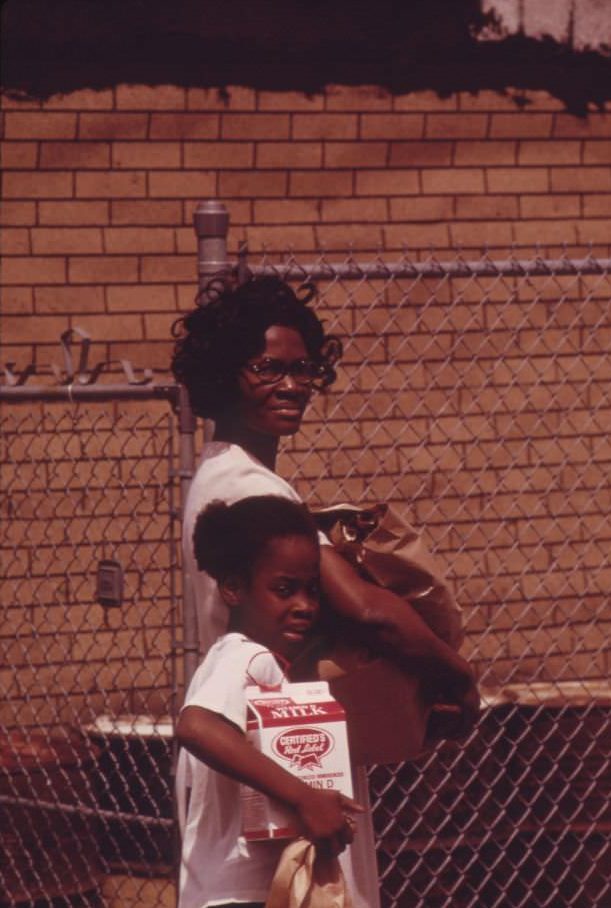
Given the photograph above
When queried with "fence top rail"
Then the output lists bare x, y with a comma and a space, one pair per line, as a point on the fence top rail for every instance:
77, 393
433, 268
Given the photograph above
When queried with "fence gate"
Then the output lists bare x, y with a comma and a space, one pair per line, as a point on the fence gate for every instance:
88, 645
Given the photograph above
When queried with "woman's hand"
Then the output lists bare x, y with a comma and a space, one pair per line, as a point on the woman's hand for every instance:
327, 818
455, 702
453, 720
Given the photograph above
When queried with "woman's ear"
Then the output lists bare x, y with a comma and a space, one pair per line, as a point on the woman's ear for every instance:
232, 591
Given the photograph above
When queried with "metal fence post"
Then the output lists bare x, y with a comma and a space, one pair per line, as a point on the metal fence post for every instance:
211, 223
186, 424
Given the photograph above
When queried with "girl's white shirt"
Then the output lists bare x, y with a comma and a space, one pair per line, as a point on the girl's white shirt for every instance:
218, 865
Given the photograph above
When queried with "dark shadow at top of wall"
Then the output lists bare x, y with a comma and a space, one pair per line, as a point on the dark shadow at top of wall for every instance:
290, 45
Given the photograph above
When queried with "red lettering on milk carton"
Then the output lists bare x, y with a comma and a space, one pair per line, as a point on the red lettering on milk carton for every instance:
303, 747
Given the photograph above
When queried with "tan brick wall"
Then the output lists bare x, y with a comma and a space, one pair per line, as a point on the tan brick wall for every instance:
100, 187
99, 192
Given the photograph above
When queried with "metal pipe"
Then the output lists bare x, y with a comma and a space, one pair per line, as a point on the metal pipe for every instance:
211, 223
76, 393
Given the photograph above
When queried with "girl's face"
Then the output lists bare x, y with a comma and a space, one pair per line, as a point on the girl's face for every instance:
279, 605
275, 408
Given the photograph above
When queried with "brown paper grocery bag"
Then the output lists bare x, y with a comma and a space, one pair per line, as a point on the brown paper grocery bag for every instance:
390, 552
305, 879
386, 712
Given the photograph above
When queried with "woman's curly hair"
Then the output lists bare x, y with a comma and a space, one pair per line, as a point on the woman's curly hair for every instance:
215, 341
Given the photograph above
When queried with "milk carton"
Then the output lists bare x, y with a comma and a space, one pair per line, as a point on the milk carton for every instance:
303, 729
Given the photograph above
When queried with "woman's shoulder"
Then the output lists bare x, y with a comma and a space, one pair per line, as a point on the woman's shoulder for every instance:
223, 459
228, 473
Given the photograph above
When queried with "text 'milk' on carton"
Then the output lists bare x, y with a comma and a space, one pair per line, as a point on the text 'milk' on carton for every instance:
303, 729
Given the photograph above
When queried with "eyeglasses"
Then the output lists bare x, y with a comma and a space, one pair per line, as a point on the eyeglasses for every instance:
269, 371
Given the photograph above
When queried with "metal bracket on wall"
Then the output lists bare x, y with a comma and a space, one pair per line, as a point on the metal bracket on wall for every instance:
12, 380
76, 376
66, 339
147, 375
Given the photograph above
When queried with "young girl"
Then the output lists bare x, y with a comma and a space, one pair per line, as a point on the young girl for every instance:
263, 553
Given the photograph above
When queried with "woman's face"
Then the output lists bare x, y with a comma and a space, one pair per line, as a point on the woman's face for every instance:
275, 408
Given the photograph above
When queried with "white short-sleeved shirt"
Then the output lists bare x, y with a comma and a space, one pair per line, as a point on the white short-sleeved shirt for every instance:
218, 865
226, 472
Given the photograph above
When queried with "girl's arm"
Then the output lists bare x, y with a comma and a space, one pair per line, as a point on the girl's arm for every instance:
325, 815
397, 630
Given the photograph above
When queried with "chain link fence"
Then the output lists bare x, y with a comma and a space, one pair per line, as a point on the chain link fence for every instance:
474, 396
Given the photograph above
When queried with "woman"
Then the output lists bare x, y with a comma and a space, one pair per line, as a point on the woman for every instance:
251, 360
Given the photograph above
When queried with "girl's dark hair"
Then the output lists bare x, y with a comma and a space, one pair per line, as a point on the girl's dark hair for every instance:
228, 539
215, 341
